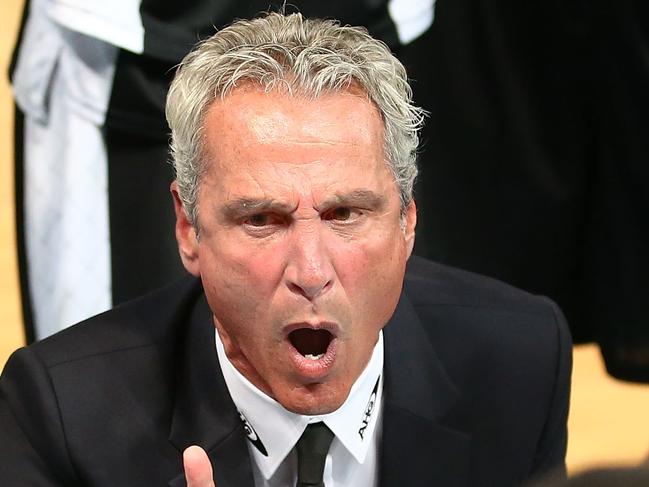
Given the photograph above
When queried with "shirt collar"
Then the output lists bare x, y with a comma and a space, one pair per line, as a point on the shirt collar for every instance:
273, 431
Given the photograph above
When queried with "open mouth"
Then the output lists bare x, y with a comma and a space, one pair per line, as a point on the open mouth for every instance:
311, 344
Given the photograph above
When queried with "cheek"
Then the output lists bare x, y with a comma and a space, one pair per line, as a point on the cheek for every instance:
244, 269
380, 253
372, 275
239, 281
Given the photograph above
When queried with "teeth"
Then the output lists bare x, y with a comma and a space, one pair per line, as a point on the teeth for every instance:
314, 357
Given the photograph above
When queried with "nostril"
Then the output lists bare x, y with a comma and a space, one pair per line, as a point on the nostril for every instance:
295, 289
309, 291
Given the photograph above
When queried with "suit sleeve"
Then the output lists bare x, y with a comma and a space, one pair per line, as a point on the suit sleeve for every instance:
550, 456
32, 449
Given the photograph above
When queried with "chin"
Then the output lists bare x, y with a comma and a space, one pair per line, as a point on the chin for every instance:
313, 400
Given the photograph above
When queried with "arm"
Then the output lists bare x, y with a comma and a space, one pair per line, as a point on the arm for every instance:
32, 450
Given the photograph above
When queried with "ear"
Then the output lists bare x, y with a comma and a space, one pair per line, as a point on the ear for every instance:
185, 235
409, 230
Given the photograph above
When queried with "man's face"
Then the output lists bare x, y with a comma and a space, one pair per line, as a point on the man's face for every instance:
301, 249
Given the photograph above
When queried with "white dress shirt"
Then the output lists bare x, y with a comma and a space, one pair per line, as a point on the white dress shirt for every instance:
273, 431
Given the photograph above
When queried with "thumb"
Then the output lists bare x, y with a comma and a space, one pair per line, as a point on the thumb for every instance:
198, 469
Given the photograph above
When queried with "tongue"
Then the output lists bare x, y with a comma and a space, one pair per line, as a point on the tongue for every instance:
310, 343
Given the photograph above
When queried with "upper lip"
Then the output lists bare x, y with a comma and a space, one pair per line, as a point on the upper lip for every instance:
330, 326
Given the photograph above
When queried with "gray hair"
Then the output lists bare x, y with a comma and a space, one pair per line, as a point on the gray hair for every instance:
307, 56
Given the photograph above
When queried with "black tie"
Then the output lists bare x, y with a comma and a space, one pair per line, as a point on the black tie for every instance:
312, 449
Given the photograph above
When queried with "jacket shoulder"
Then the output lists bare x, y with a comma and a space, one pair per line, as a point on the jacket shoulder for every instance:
483, 319
508, 354
429, 283
149, 319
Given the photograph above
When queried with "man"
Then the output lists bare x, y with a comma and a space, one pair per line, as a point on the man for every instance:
294, 144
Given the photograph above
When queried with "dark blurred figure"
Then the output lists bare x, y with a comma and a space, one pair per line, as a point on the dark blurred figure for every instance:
535, 163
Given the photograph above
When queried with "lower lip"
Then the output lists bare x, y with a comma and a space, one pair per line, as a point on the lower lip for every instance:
314, 369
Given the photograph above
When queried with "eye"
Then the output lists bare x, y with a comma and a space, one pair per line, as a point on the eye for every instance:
262, 224
258, 220
342, 214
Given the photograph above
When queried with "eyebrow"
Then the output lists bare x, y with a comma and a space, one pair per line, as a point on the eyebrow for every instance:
360, 198
240, 207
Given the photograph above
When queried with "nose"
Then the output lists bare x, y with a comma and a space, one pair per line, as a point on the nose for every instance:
309, 271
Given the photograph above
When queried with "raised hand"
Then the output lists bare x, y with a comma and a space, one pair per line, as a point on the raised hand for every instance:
198, 469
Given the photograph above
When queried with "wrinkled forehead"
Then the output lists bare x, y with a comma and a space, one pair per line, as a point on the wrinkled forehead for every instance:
254, 138
256, 115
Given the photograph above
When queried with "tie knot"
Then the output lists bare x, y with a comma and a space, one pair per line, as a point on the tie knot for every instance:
312, 449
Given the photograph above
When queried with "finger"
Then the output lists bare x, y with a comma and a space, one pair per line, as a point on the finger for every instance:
198, 469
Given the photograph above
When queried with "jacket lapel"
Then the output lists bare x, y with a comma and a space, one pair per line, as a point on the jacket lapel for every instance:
418, 449
204, 413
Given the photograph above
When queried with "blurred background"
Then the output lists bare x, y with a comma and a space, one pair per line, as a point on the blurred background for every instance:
609, 424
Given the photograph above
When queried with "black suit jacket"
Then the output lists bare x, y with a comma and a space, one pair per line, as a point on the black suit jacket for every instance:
476, 392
